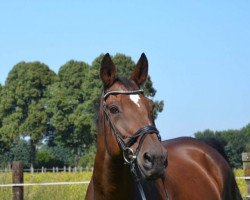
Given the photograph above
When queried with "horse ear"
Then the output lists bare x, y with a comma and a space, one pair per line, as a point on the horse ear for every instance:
108, 71
140, 72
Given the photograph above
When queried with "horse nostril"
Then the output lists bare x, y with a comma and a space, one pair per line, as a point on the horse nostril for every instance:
148, 158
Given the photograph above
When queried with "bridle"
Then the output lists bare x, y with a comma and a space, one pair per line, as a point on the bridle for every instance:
129, 155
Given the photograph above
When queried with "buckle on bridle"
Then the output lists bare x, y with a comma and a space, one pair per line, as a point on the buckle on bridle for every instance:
129, 155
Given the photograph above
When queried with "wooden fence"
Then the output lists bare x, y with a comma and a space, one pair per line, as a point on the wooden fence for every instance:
53, 169
18, 183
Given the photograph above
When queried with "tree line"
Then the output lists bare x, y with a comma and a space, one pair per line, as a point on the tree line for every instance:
48, 118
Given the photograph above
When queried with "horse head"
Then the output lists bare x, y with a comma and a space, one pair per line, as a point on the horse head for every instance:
127, 120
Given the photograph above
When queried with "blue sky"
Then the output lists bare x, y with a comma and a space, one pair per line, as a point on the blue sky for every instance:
198, 51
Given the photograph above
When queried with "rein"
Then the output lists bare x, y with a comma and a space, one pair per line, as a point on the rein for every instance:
129, 155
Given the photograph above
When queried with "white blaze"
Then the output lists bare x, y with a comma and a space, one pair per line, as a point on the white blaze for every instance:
135, 98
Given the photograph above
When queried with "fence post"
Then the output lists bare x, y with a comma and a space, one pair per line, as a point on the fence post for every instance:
9, 167
246, 168
17, 177
31, 169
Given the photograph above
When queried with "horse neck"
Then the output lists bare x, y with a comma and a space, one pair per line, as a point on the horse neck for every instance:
112, 179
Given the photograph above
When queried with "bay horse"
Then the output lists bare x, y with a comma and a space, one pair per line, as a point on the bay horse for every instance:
132, 162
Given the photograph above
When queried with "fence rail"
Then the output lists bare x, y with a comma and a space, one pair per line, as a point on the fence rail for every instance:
243, 177
44, 184
73, 183
53, 169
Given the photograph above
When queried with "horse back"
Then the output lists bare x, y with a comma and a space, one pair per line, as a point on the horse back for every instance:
198, 171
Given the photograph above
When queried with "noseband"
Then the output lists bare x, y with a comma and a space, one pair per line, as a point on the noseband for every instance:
129, 155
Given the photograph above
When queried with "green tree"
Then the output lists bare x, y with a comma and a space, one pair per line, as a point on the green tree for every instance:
70, 117
56, 156
88, 159
205, 134
10, 117
19, 151
23, 105
246, 131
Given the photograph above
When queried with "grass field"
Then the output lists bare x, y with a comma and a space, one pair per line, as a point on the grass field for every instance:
63, 192
241, 182
60, 192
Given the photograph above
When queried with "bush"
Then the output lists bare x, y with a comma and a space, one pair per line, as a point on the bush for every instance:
56, 156
20, 151
87, 161
45, 158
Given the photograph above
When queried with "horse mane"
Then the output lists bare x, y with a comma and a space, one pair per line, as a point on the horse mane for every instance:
126, 82
212, 142
217, 145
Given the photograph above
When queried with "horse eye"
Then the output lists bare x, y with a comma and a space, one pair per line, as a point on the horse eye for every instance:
114, 109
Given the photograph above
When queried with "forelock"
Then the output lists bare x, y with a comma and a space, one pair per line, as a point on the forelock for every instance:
127, 83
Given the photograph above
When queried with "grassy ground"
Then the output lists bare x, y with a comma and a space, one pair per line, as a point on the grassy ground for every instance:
61, 192
241, 182
64, 192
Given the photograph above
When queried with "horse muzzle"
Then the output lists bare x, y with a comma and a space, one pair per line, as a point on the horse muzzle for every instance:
152, 163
